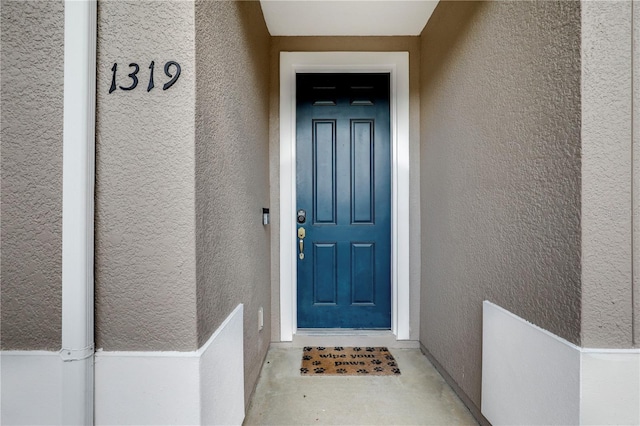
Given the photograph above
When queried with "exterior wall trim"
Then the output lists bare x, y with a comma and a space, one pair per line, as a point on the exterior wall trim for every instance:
31, 379
205, 386
397, 64
202, 387
526, 368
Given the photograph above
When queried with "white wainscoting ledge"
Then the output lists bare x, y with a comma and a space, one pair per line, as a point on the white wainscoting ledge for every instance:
167, 388
30, 388
531, 376
610, 387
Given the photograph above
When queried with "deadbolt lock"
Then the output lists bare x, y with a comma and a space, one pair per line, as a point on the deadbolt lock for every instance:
302, 216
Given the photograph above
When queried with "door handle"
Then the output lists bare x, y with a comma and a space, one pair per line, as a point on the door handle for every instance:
301, 234
301, 246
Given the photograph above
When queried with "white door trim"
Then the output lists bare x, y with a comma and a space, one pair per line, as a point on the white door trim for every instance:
397, 64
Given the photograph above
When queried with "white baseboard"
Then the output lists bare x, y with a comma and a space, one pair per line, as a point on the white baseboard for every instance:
347, 337
146, 389
222, 374
610, 387
187, 388
30, 389
142, 388
531, 376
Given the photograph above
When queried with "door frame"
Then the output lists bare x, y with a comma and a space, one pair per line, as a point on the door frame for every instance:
397, 64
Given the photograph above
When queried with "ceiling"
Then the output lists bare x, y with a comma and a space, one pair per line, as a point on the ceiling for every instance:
346, 17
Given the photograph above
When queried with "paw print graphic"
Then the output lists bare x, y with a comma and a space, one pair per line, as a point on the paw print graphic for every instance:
370, 349
376, 361
395, 370
363, 371
383, 349
378, 369
307, 348
321, 348
392, 364
357, 349
318, 370
338, 348
304, 370
389, 357
316, 363
306, 357
341, 371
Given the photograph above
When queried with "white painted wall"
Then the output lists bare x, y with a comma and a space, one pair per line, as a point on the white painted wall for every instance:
222, 374
147, 388
30, 388
610, 387
141, 388
531, 376
166, 388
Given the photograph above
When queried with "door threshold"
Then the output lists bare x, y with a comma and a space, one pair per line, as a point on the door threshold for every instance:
346, 337
342, 332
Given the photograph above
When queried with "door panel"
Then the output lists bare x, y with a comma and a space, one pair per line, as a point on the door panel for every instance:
325, 270
324, 171
363, 273
362, 171
343, 162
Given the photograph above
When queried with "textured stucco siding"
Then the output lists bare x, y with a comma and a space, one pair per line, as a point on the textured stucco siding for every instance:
636, 175
145, 183
339, 44
32, 53
232, 172
500, 157
607, 174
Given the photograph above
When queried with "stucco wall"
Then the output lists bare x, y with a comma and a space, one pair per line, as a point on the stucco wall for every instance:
232, 176
636, 174
337, 44
500, 157
607, 180
32, 53
145, 185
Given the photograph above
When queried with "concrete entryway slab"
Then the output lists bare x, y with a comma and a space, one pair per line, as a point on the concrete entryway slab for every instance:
419, 396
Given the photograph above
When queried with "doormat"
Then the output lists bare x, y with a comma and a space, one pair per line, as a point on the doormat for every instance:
348, 361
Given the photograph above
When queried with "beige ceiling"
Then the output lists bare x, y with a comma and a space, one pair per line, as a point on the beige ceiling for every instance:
346, 17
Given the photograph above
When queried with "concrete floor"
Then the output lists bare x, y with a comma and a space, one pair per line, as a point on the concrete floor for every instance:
419, 396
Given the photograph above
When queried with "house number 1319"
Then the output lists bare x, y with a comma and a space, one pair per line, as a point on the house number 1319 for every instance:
133, 76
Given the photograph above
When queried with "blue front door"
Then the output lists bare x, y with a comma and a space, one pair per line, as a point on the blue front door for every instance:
343, 163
